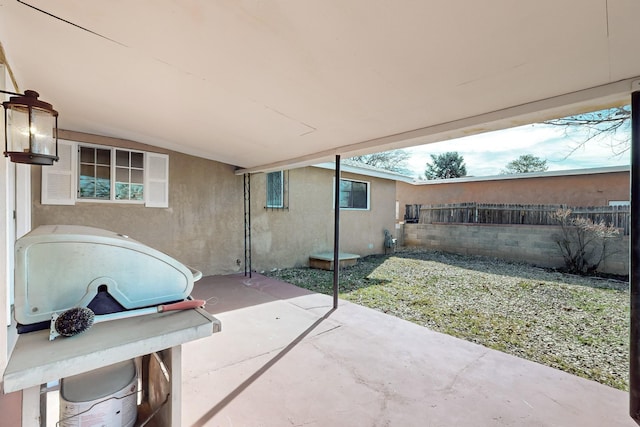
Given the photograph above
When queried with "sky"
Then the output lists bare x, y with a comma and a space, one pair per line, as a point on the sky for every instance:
488, 153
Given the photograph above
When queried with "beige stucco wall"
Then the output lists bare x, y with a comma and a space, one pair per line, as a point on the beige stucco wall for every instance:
286, 238
204, 224
574, 190
202, 227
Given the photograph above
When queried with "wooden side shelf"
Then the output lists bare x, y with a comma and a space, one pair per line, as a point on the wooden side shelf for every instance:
36, 360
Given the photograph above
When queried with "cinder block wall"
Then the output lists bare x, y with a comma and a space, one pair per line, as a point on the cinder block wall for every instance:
531, 244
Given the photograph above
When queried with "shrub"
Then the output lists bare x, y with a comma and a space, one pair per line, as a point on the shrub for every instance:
582, 242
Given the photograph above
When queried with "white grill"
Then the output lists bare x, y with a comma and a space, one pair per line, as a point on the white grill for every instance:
63, 266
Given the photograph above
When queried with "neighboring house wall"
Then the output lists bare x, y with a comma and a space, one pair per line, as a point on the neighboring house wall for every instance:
202, 227
286, 238
596, 189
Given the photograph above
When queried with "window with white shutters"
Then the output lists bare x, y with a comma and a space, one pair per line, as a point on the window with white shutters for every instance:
87, 172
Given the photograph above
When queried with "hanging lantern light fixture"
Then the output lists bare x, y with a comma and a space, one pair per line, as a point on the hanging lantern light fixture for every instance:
30, 129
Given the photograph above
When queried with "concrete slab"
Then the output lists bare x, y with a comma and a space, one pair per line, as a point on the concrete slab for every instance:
10, 408
285, 357
324, 260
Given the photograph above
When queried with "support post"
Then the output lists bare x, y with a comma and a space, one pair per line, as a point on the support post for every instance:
634, 261
247, 224
336, 235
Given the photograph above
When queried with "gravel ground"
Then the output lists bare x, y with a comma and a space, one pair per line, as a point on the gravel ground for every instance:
573, 323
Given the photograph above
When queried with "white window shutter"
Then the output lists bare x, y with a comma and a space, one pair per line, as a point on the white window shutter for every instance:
156, 169
58, 180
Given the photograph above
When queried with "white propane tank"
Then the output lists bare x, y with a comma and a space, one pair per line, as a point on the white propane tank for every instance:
103, 397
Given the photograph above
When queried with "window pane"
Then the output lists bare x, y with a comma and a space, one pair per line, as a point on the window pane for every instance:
137, 160
103, 172
345, 193
103, 157
122, 174
87, 155
87, 171
137, 176
129, 191
359, 197
345, 199
122, 191
137, 191
87, 185
122, 158
87, 182
103, 188
93, 182
359, 186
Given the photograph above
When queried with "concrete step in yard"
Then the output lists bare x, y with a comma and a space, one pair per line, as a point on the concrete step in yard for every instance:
324, 260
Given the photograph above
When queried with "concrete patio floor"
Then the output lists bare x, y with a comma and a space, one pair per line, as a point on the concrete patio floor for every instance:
284, 358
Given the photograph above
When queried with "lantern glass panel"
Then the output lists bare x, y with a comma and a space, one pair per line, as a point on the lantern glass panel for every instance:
43, 125
17, 128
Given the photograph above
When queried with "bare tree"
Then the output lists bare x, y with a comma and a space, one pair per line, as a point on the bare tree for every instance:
613, 123
394, 160
582, 242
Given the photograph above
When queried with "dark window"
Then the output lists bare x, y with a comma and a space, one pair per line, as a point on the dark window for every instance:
354, 194
274, 189
277, 190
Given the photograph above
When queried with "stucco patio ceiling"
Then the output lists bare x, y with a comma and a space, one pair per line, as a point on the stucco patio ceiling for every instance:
262, 84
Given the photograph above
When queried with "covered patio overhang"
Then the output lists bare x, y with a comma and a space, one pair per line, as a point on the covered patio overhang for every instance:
265, 86
273, 85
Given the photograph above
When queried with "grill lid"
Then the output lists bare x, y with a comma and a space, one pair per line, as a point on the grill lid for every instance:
58, 267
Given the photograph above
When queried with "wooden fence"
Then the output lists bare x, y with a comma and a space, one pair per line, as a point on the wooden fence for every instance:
484, 213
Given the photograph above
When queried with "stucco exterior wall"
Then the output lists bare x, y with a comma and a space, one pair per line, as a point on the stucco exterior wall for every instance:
574, 190
286, 238
204, 224
202, 227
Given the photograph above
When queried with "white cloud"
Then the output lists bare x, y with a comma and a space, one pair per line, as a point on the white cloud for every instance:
488, 153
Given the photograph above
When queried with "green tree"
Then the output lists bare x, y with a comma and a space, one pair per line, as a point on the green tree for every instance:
445, 166
394, 160
526, 163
